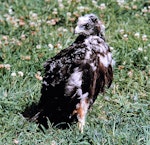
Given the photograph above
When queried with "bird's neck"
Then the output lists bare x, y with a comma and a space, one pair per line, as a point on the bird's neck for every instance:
80, 39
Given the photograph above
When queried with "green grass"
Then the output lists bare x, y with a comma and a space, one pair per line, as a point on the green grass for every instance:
121, 116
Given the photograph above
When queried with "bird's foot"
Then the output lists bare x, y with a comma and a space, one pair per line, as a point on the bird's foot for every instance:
81, 125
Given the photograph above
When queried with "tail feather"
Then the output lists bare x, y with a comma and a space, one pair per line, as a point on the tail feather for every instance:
32, 112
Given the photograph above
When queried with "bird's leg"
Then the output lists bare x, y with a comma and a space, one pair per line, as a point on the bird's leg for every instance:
81, 110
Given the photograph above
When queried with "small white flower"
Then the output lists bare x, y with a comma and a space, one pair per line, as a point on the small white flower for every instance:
39, 73
144, 10
23, 37
140, 49
130, 73
59, 46
134, 7
10, 11
32, 24
94, 2
2, 66
68, 14
7, 66
61, 29
61, 6
125, 35
64, 30
13, 74
144, 37
34, 16
107, 98
38, 76
48, 22
15, 141
55, 12
38, 46
50, 46
51, 22
102, 6
124, 62
120, 2
69, 1
20, 73
121, 31
81, 8
137, 35
53, 142
5, 37
146, 58
111, 48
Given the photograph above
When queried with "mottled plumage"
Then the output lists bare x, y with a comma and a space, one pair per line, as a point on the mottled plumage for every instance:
75, 76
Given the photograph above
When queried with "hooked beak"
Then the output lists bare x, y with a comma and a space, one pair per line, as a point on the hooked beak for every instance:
76, 30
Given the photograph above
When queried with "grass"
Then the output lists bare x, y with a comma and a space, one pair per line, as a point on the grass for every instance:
33, 31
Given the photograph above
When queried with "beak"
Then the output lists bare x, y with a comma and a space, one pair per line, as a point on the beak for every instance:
76, 30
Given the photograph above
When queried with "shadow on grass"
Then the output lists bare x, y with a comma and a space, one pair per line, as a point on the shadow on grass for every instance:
33, 113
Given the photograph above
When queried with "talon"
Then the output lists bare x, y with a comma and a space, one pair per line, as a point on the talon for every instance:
80, 126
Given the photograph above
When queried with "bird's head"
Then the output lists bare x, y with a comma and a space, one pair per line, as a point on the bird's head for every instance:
89, 25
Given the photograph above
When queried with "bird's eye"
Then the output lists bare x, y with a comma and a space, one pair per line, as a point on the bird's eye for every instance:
86, 26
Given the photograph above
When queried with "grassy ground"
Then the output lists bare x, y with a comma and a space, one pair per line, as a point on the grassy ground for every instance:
31, 31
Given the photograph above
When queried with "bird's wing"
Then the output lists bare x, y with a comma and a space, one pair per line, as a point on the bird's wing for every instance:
69, 67
60, 67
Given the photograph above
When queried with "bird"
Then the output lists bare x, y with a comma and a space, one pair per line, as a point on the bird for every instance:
75, 76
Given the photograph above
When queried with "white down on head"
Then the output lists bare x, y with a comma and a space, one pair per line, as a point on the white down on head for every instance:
90, 25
